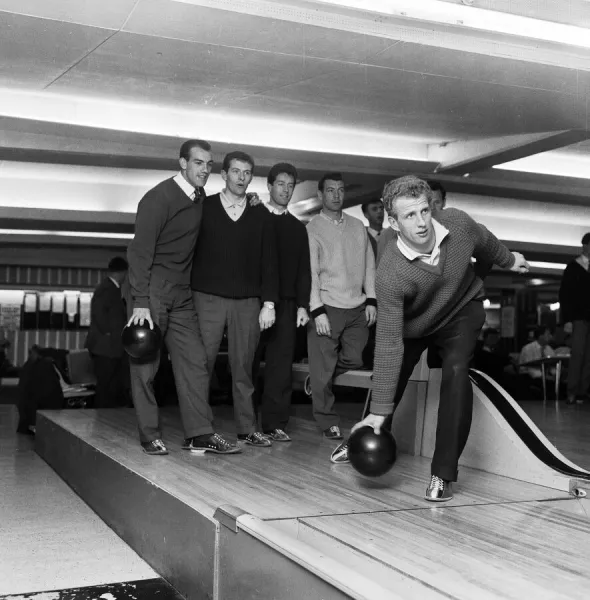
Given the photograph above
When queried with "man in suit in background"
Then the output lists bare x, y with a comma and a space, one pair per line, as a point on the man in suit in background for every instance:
108, 316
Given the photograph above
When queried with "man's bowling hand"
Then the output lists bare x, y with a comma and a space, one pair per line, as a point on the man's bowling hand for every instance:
302, 317
266, 318
322, 325
139, 316
520, 264
371, 314
374, 421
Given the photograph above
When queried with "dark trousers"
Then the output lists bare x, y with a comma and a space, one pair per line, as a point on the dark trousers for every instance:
243, 332
332, 356
110, 381
455, 345
173, 311
578, 379
277, 346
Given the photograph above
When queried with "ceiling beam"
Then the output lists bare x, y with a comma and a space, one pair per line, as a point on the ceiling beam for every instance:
469, 156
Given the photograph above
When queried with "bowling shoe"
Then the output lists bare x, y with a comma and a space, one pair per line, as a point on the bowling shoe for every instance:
333, 433
340, 455
277, 435
255, 439
215, 443
439, 490
154, 448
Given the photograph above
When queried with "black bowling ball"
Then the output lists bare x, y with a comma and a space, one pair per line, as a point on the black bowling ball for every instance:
141, 342
371, 454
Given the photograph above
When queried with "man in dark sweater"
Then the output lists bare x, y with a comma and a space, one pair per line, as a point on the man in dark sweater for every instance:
429, 295
234, 269
108, 316
574, 300
160, 255
278, 342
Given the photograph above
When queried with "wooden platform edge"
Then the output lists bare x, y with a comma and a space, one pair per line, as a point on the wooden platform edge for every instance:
231, 555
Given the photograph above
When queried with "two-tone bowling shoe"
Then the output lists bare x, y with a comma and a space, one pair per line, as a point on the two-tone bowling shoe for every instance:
439, 490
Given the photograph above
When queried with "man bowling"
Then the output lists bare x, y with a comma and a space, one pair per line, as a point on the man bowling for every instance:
429, 296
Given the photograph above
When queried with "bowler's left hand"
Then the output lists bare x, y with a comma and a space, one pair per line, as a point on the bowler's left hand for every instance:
371, 314
520, 264
302, 317
374, 421
253, 198
266, 318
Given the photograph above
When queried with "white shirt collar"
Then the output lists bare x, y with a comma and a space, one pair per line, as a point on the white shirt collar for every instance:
115, 282
230, 203
275, 210
583, 261
374, 232
340, 221
185, 186
440, 233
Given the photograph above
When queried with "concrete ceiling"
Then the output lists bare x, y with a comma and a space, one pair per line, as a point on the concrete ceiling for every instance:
120, 82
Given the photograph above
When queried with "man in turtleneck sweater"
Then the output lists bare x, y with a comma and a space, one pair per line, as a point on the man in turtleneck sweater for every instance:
160, 255
234, 271
430, 296
574, 298
278, 342
342, 300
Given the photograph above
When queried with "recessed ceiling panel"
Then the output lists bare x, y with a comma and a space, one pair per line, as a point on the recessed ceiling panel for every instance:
148, 69
477, 67
36, 51
110, 14
221, 27
473, 108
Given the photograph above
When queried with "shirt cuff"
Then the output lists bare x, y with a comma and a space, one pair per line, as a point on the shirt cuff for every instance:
371, 302
316, 312
381, 410
141, 302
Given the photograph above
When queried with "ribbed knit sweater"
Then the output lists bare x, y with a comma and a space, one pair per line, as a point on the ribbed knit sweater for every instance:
416, 299
342, 264
236, 259
166, 231
293, 255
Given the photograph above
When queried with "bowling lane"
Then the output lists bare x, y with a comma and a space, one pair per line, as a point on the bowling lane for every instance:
281, 482
499, 551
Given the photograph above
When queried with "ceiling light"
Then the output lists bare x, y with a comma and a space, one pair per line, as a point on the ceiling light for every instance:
546, 265
554, 306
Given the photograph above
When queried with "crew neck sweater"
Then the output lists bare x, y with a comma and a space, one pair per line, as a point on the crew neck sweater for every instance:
342, 264
236, 259
166, 231
416, 299
574, 293
293, 258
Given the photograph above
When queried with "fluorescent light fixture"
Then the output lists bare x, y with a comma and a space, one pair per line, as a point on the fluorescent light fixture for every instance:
546, 265
212, 124
554, 306
469, 17
78, 234
486, 303
561, 164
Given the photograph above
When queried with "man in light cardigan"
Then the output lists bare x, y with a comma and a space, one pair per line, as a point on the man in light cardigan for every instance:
342, 301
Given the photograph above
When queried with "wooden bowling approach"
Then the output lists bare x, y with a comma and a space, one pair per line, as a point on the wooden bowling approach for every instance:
285, 523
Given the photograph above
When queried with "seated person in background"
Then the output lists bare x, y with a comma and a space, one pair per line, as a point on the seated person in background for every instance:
536, 350
38, 389
561, 342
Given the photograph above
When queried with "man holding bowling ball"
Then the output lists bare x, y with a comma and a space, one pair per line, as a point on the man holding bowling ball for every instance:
429, 296
160, 256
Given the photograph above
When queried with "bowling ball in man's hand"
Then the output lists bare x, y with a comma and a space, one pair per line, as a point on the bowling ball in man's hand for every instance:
371, 454
141, 342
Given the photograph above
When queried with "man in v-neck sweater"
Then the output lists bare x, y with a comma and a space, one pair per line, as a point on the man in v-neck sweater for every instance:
235, 270
342, 299
430, 296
